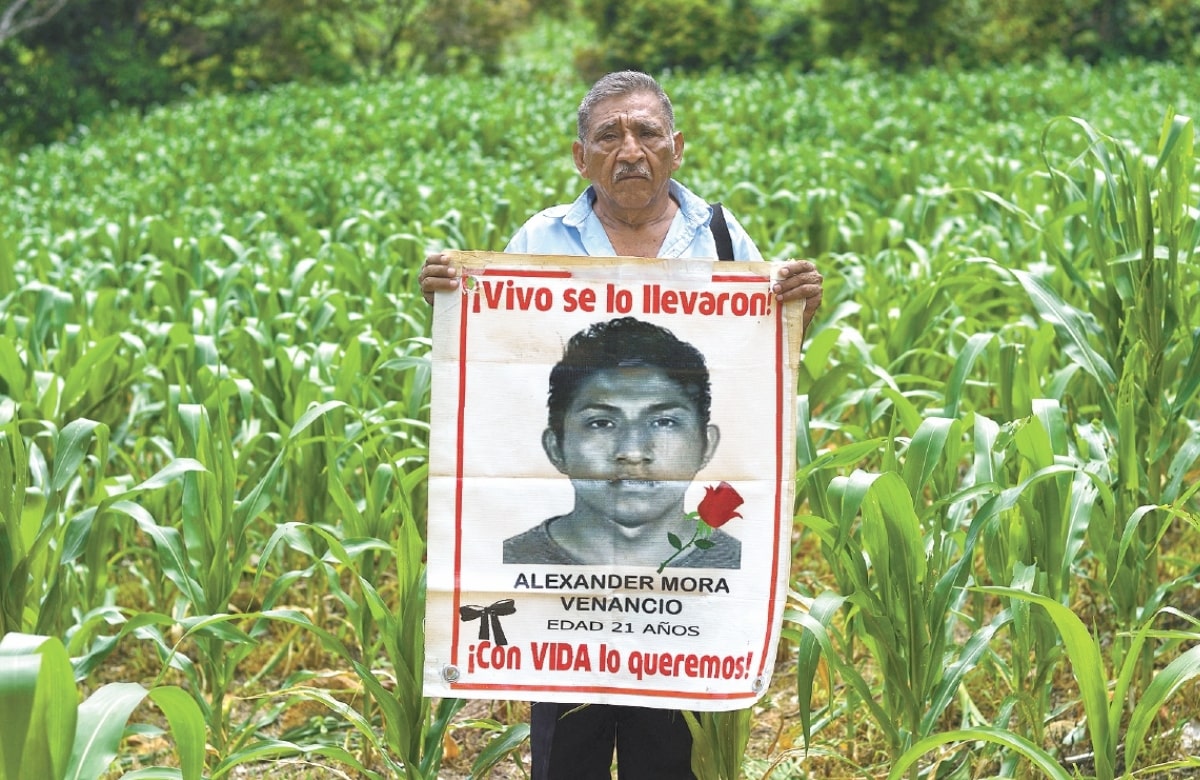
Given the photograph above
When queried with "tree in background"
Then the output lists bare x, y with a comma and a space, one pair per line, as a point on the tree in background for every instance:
1163, 29
1003, 31
138, 53
21, 15
98, 54
895, 33
652, 35
59, 69
468, 34
790, 32
977, 33
238, 45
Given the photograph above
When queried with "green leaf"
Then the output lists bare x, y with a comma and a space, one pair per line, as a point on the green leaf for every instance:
976, 648
1071, 328
39, 701
847, 671
168, 545
1173, 676
18, 683
808, 654
88, 370
925, 452
102, 720
12, 370
1088, 668
71, 447
718, 742
957, 381
154, 773
187, 727
1045, 762
498, 748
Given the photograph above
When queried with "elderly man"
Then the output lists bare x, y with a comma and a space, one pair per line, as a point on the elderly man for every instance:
628, 149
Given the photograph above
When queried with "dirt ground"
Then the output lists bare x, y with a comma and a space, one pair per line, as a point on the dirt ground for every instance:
775, 751
840, 751
774, 730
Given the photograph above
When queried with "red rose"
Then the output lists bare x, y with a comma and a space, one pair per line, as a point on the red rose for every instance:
719, 505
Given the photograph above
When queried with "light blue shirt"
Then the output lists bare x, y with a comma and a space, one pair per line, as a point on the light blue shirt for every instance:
574, 229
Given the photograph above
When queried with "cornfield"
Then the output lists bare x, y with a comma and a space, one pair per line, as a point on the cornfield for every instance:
214, 416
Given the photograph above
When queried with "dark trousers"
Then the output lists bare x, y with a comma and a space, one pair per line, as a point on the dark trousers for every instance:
573, 742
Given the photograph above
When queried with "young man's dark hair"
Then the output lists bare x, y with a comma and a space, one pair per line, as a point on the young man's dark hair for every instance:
629, 424
627, 342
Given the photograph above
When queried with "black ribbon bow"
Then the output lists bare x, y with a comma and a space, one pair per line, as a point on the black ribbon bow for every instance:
489, 618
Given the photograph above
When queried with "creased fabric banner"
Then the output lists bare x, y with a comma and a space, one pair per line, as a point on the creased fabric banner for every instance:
611, 470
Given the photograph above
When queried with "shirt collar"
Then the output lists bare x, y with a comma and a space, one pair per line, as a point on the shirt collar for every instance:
695, 210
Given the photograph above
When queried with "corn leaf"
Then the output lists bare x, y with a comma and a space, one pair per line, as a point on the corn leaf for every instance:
102, 719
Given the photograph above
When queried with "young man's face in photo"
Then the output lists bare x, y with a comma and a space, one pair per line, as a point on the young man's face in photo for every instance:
632, 442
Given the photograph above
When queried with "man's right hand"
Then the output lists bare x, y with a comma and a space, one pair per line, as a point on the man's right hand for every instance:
437, 275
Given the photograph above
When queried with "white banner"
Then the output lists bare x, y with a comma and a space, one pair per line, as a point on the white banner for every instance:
611, 481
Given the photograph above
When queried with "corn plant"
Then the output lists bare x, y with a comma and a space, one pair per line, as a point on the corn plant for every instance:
385, 658
1104, 708
718, 743
378, 539
901, 571
205, 557
49, 734
252, 354
43, 537
1130, 333
1034, 535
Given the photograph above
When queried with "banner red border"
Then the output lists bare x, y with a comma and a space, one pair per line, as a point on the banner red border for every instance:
782, 393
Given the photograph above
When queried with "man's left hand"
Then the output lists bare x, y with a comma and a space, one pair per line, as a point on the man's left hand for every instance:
799, 281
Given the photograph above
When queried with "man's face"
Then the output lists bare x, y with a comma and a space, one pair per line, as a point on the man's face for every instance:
632, 442
628, 152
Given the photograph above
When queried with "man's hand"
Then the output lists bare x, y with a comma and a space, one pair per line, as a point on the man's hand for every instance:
799, 281
437, 275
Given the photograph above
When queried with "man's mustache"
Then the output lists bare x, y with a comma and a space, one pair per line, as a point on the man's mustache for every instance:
627, 171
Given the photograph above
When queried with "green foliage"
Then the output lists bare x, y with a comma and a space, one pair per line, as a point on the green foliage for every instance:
719, 742
49, 734
231, 46
123, 53
1104, 709
1025, 30
975, 33
214, 386
85, 59
1166, 30
790, 31
896, 33
134, 54
461, 34
900, 572
41, 540
651, 35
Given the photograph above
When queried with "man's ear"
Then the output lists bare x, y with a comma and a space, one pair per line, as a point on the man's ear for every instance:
710, 446
580, 160
677, 144
553, 450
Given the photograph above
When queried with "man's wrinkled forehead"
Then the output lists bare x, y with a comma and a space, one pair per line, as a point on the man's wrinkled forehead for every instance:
641, 108
638, 121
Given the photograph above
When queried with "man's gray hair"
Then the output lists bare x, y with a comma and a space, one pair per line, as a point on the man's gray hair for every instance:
625, 82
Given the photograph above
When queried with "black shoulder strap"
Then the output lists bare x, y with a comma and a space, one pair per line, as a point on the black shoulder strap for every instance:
720, 231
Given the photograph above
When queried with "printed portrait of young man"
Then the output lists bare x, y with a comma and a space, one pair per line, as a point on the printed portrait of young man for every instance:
628, 410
